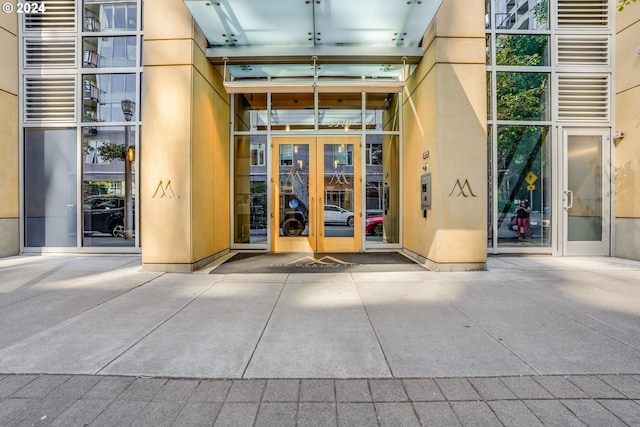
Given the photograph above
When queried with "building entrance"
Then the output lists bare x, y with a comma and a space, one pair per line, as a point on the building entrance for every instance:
586, 192
317, 194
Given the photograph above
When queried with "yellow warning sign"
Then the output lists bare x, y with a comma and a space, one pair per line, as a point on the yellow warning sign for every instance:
531, 187
531, 178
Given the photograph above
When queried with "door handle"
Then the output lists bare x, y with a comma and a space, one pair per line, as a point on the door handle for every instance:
568, 199
310, 219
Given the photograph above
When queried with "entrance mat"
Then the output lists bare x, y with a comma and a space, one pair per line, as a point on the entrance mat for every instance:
317, 263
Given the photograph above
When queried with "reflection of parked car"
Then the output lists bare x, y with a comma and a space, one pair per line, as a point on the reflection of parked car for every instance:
104, 214
294, 215
336, 215
373, 225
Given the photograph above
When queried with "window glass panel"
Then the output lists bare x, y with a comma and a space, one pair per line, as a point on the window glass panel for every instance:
490, 214
489, 97
251, 112
382, 224
338, 190
340, 111
292, 111
487, 13
522, 96
105, 52
114, 16
521, 50
103, 185
294, 189
102, 95
250, 206
522, 15
50, 181
382, 112
523, 174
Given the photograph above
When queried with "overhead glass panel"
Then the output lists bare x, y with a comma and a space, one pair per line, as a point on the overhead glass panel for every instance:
376, 36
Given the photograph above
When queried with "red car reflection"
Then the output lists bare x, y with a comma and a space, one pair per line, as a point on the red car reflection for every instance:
373, 225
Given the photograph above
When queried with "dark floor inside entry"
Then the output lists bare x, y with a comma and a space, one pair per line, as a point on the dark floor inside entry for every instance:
317, 263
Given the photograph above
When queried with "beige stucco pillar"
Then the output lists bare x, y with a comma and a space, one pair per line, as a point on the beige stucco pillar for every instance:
184, 188
444, 113
9, 141
627, 149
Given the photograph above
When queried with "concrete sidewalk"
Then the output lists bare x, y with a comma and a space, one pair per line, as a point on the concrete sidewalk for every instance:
545, 339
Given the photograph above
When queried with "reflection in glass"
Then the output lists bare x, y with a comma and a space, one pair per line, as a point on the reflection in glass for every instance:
584, 153
250, 207
294, 189
382, 112
490, 214
50, 181
338, 190
522, 96
382, 223
104, 52
292, 111
103, 189
522, 50
340, 111
521, 15
250, 112
523, 173
110, 16
102, 94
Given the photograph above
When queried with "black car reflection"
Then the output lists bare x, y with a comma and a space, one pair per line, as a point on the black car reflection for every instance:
104, 214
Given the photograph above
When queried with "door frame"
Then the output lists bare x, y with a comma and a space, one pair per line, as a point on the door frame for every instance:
602, 247
315, 239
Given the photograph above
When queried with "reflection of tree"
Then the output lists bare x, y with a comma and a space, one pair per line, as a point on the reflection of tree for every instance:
520, 96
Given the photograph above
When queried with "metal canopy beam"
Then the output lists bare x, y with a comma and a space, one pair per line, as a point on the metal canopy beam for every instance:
333, 54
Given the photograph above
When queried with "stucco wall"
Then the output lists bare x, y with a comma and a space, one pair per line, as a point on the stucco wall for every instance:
9, 141
185, 152
445, 113
627, 149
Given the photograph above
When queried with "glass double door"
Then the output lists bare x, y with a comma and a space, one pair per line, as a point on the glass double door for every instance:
316, 194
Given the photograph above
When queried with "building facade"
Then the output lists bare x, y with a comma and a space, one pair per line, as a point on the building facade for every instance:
195, 134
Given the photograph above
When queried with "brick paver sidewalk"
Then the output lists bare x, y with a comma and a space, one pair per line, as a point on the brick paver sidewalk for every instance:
79, 400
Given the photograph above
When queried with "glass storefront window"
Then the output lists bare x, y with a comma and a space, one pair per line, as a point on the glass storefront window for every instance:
523, 174
50, 181
340, 111
489, 97
522, 96
521, 15
250, 112
103, 185
250, 186
522, 50
490, 186
382, 112
102, 94
382, 223
105, 52
292, 111
110, 16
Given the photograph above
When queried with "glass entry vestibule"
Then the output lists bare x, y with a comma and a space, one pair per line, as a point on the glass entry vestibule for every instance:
316, 172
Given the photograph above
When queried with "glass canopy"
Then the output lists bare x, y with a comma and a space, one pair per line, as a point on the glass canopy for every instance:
323, 39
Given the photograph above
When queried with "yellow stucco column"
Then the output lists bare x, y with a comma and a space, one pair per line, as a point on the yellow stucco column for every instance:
184, 188
445, 114
9, 141
627, 149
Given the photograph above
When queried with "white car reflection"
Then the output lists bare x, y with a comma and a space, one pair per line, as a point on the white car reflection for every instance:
334, 214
